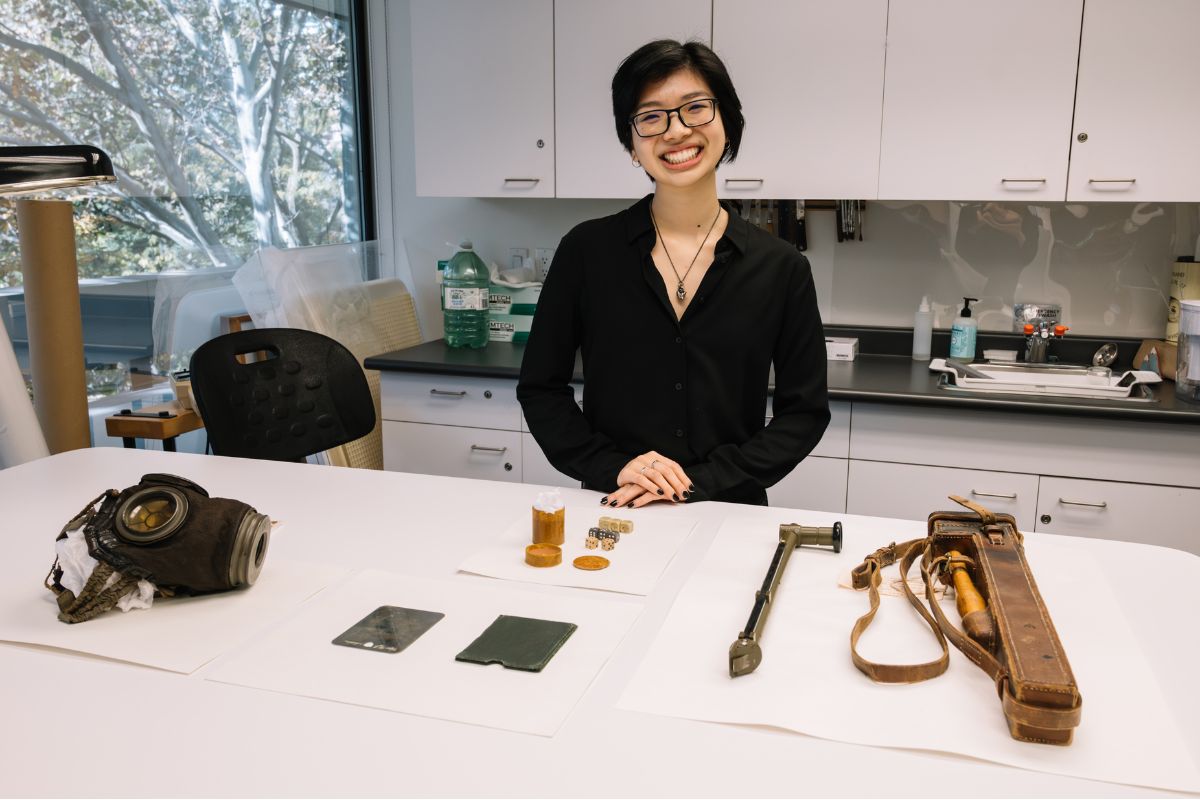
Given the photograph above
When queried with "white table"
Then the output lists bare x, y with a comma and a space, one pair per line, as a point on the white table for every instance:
168, 734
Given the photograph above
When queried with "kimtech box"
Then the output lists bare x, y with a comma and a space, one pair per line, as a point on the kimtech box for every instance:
509, 327
516, 301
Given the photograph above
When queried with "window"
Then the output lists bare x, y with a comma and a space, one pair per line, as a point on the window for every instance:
232, 124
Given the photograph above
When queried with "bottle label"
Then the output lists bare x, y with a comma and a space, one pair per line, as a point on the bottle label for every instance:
462, 299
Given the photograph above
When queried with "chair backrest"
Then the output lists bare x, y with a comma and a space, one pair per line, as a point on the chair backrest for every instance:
309, 395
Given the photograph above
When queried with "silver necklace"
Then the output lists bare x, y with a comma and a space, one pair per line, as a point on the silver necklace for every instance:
680, 292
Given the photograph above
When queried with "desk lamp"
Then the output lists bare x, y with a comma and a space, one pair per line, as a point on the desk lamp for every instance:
46, 233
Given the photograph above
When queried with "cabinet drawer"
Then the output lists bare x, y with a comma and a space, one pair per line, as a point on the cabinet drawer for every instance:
536, 468
456, 452
1131, 512
908, 491
450, 400
836, 441
1075, 447
816, 484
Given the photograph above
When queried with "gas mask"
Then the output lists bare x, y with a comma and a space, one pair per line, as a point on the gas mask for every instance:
165, 530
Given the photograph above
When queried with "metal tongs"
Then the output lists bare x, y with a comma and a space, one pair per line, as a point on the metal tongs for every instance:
745, 654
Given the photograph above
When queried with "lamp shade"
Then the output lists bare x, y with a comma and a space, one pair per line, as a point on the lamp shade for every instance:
30, 170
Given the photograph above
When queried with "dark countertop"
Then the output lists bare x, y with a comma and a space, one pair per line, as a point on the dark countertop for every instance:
869, 378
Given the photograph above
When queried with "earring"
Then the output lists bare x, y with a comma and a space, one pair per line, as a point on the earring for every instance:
636, 163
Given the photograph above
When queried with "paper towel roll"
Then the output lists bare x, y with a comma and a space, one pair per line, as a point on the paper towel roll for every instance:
21, 437
47, 234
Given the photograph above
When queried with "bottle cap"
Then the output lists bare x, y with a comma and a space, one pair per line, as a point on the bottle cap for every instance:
1059, 330
1028, 328
465, 244
924, 303
966, 309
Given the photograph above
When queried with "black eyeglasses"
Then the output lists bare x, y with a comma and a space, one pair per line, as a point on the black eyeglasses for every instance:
656, 121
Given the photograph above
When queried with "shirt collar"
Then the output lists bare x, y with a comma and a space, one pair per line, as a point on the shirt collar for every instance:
639, 224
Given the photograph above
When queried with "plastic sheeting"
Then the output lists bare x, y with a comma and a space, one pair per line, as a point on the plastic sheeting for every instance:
21, 436
324, 289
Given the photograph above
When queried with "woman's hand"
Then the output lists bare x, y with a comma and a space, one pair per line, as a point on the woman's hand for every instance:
648, 478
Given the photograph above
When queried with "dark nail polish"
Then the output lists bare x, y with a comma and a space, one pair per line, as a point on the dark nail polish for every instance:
660, 491
675, 497
629, 504
603, 501
691, 488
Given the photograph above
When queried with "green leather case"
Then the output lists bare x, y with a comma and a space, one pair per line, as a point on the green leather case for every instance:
518, 643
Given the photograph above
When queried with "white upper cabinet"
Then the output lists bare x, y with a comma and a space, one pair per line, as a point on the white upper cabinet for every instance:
591, 39
483, 97
810, 77
978, 99
1137, 107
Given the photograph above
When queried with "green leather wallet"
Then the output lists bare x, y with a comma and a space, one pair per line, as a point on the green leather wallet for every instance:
518, 643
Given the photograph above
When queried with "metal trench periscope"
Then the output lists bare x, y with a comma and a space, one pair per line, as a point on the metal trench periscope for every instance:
745, 654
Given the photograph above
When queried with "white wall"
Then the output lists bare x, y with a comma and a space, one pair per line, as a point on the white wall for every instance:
1109, 265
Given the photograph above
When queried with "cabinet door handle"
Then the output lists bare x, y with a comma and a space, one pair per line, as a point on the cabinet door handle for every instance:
1066, 502
1112, 180
1022, 180
1002, 496
530, 181
480, 448
731, 183
444, 393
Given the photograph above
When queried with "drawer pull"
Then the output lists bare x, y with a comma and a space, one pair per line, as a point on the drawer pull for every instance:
1022, 180
1066, 502
738, 183
444, 393
528, 181
1002, 496
480, 448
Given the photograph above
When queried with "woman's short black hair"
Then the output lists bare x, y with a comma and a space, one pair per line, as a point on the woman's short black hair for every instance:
659, 60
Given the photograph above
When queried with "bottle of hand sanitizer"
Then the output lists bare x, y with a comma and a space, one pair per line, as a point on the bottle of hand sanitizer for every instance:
922, 331
962, 335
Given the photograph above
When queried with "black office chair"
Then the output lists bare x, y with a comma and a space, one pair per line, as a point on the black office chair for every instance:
308, 395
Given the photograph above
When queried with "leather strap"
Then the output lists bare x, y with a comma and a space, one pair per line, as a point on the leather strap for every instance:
868, 575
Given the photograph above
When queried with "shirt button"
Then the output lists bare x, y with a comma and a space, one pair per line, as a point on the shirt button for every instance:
679, 432
678, 386
678, 340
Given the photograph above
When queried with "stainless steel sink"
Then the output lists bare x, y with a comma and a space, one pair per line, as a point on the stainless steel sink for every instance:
1047, 380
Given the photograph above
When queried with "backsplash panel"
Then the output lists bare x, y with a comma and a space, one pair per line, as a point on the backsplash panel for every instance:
1107, 264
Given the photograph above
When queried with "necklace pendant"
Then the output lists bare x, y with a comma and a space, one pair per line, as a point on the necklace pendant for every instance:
680, 292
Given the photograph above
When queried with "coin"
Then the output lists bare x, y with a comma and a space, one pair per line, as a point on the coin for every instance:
590, 562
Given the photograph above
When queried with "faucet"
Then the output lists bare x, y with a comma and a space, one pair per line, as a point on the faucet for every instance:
1038, 339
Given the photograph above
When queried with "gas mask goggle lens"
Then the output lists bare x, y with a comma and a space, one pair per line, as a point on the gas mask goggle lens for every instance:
167, 531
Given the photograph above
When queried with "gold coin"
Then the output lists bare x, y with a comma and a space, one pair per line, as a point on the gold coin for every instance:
590, 562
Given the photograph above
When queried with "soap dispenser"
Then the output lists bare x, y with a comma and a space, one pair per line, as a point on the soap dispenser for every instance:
962, 335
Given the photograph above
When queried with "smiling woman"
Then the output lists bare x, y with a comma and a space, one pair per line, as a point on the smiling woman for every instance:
679, 308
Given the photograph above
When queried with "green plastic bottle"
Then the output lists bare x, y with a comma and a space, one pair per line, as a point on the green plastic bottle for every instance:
465, 299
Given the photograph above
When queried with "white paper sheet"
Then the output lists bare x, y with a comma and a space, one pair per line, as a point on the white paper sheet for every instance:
424, 679
178, 634
807, 682
636, 562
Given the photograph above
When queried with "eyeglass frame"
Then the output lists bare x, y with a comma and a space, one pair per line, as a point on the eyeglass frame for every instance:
678, 115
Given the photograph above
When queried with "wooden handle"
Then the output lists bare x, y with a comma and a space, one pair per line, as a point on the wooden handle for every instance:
977, 622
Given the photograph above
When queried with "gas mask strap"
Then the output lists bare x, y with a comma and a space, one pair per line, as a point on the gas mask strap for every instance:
93, 600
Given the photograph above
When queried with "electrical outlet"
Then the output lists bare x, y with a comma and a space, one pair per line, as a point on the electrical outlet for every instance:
542, 256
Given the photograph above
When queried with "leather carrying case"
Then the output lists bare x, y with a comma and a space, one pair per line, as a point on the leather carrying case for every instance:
1038, 693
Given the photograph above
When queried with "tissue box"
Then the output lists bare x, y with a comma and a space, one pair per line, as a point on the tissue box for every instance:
508, 300
840, 349
509, 327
